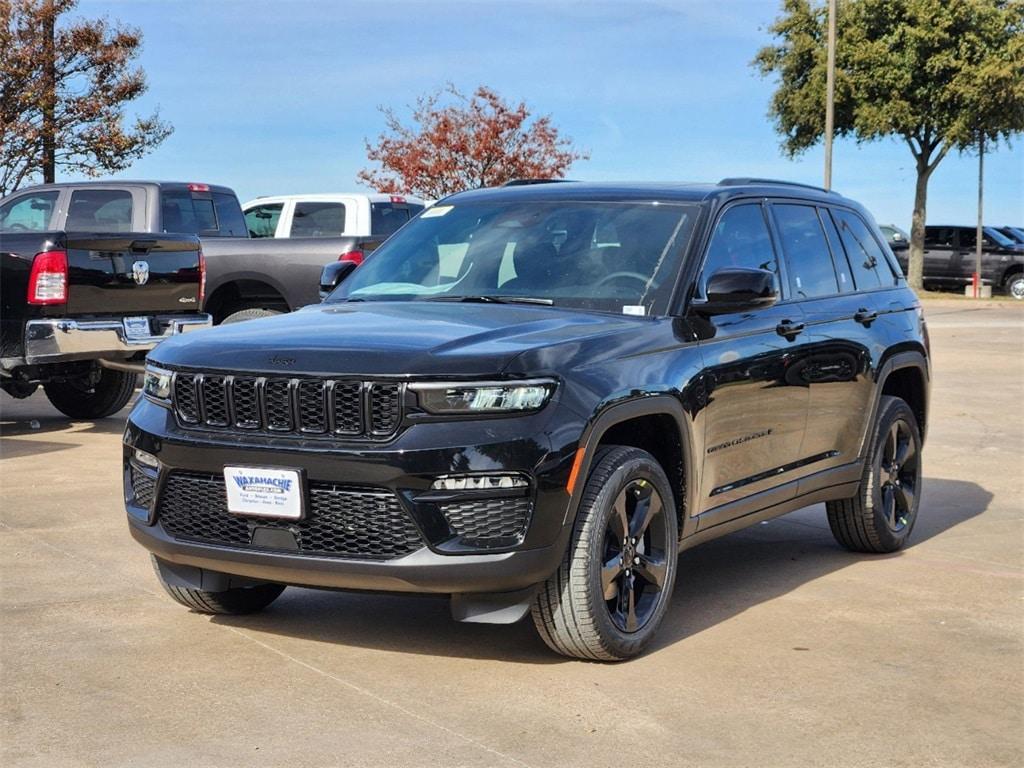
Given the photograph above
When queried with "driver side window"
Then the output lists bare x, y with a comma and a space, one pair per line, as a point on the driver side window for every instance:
740, 241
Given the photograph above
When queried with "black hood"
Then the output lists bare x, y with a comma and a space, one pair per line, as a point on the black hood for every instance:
392, 339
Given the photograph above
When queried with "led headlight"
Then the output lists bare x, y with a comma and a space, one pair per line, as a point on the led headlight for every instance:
487, 397
156, 384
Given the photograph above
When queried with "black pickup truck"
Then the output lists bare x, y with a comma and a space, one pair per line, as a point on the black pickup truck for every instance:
81, 310
246, 277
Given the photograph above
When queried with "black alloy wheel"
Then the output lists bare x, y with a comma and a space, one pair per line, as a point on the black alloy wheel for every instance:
634, 563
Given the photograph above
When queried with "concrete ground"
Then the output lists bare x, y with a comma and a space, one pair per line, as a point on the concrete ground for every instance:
779, 649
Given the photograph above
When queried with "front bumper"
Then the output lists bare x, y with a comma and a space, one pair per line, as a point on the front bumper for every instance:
61, 340
406, 466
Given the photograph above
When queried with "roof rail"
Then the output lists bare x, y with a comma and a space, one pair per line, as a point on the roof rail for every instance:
526, 182
737, 181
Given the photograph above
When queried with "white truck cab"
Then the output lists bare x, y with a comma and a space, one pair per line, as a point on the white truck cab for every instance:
351, 214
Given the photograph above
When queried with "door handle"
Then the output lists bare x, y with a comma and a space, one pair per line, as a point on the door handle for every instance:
865, 316
789, 329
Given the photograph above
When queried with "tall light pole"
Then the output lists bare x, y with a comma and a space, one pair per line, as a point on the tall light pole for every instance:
830, 92
981, 199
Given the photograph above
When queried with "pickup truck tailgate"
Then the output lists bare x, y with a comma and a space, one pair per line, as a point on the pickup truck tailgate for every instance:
134, 273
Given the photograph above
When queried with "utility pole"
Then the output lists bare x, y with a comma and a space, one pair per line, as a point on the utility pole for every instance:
981, 198
49, 96
830, 92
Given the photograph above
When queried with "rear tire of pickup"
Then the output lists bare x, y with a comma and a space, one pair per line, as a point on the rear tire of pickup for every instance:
253, 313
232, 602
881, 516
614, 584
103, 393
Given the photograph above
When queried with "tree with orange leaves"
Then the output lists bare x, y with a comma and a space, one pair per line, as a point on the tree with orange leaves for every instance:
469, 142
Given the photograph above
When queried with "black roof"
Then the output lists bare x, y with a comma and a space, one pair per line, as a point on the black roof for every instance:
624, 190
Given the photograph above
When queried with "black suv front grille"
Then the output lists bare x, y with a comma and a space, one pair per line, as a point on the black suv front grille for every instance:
340, 521
296, 406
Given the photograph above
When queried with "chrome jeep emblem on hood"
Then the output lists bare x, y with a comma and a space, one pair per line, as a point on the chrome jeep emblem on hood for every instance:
140, 272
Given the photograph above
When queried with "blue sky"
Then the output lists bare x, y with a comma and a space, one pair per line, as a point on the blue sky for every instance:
277, 97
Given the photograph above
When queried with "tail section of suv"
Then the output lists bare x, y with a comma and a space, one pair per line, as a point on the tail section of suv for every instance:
534, 398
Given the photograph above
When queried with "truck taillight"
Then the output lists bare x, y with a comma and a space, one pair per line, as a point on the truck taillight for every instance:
48, 281
198, 187
202, 278
397, 199
356, 257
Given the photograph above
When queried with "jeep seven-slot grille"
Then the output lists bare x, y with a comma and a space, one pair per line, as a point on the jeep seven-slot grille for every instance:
295, 406
341, 521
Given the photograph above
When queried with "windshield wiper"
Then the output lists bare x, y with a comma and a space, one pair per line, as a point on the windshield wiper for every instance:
493, 299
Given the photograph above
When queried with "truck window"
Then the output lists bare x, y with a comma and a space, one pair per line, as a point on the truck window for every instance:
318, 220
28, 213
261, 220
229, 215
387, 218
100, 210
183, 214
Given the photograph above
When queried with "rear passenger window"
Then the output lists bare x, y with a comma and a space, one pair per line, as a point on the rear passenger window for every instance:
867, 260
740, 241
100, 210
386, 219
318, 220
229, 215
808, 259
261, 220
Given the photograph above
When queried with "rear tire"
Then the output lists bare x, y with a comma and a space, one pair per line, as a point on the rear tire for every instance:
881, 516
597, 605
231, 602
252, 313
103, 393
1014, 286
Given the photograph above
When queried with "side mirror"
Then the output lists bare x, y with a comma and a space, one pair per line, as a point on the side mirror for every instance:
738, 290
333, 274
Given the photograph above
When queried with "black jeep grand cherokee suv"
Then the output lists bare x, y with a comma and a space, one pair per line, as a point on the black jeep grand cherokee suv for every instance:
532, 398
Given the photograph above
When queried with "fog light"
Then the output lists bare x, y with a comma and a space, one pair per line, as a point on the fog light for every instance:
479, 482
146, 459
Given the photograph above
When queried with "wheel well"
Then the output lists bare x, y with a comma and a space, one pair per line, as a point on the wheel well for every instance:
241, 294
658, 434
908, 385
1016, 269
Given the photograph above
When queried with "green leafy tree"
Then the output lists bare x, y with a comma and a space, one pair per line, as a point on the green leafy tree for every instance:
64, 85
935, 74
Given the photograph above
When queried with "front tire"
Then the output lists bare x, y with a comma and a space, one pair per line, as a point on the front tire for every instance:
236, 601
102, 393
881, 516
611, 591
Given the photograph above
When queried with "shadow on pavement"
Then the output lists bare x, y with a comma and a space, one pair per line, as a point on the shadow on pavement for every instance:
35, 416
716, 581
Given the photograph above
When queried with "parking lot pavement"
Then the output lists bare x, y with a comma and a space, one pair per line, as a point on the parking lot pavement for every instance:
779, 649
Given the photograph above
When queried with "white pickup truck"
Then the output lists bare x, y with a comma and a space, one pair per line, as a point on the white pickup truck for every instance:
353, 214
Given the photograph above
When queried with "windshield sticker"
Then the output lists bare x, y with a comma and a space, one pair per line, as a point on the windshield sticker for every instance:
634, 309
437, 210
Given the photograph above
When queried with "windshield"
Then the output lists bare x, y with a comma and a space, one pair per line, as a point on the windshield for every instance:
613, 257
999, 237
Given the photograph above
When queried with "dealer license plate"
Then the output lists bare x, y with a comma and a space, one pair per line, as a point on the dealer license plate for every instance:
262, 492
